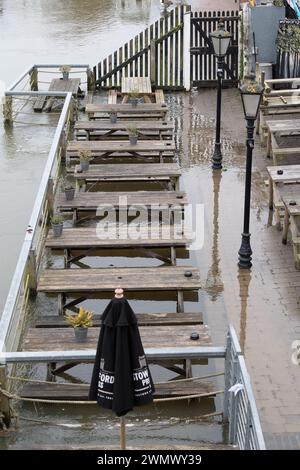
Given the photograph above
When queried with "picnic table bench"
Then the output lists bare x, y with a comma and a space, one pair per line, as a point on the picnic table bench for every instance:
127, 111
100, 129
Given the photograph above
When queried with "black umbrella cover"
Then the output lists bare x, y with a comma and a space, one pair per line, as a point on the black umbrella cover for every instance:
121, 378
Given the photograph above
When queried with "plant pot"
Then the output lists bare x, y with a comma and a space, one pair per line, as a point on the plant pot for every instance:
70, 193
81, 334
113, 118
65, 75
133, 139
84, 165
57, 230
134, 102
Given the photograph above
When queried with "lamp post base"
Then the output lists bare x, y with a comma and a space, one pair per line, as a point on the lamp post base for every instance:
217, 157
245, 252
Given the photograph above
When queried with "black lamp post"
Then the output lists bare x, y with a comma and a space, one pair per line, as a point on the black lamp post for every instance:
220, 40
251, 93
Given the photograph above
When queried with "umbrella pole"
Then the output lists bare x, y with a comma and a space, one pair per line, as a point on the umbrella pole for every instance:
122, 433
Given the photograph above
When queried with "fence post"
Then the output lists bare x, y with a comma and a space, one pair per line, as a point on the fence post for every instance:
50, 196
152, 62
234, 406
228, 370
186, 51
34, 79
32, 270
5, 416
91, 83
7, 110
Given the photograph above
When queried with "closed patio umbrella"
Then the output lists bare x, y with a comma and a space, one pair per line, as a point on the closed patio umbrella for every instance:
121, 378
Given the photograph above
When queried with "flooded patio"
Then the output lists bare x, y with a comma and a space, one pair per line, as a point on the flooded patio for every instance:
262, 304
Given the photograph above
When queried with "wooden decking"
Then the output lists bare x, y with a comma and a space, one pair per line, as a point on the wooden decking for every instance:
165, 240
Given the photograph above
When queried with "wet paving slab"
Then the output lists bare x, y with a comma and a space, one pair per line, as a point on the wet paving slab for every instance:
263, 304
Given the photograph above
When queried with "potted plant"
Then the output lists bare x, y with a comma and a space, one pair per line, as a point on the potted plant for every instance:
69, 192
57, 223
133, 134
81, 322
113, 117
65, 70
134, 98
84, 157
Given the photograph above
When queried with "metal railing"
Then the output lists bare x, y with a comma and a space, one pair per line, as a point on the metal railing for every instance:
31, 79
239, 404
24, 279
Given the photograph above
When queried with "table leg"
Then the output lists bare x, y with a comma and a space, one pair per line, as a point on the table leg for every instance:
285, 226
271, 194
269, 145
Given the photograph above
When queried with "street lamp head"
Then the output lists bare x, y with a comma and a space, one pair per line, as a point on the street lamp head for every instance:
251, 93
220, 40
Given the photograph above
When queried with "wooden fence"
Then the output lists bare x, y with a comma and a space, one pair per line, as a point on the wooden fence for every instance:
157, 52
175, 52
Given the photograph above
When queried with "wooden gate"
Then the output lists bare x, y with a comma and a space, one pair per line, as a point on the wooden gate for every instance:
203, 63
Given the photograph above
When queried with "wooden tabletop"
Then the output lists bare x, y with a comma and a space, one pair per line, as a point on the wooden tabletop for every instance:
126, 108
293, 209
290, 173
91, 201
124, 171
141, 85
284, 125
55, 339
70, 85
98, 146
106, 279
130, 236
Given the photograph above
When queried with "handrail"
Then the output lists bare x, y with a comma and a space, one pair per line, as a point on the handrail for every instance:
89, 354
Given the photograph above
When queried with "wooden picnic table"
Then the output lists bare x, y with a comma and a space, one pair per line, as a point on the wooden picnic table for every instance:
127, 111
275, 106
287, 127
107, 148
57, 84
291, 203
148, 172
278, 176
105, 129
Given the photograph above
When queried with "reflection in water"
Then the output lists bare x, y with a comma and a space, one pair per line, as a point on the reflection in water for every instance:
214, 284
244, 278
